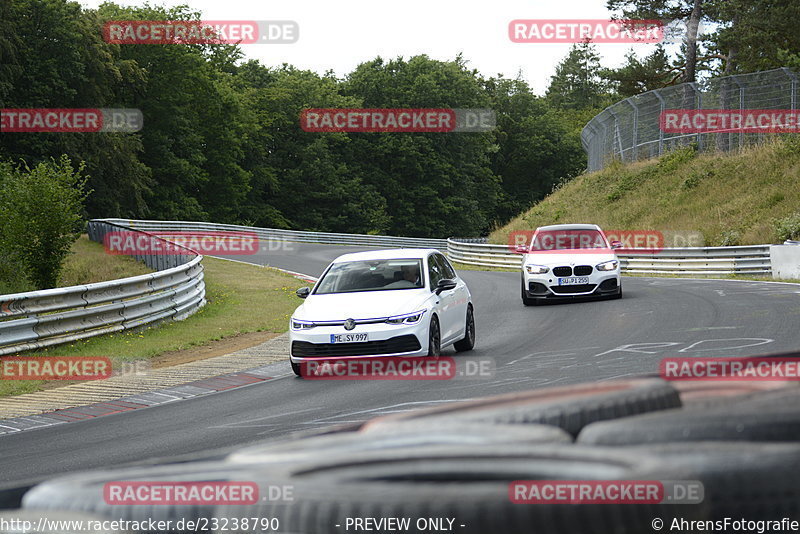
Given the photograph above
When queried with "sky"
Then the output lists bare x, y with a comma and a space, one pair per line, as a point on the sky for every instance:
338, 35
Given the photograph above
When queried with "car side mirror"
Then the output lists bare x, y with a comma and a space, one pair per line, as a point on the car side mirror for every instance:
446, 284
521, 249
616, 244
303, 292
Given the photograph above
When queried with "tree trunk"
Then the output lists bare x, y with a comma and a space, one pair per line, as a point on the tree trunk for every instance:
692, 27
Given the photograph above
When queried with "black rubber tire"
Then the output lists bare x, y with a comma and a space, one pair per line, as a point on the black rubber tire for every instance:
768, 416
526, 300
83, 492
618, 294
468, 343
296, 368
469, 485
754, 481
570, 408
411, 434
434, 338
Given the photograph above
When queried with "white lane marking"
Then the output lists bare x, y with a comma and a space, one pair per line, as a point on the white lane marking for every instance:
273, 416
630, 348
392, 408
758, 341
550, 353
704, 328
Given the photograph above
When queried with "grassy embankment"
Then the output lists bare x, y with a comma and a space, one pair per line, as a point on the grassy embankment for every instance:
743, 198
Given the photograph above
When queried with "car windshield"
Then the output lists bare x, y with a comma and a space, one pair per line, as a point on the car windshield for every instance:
548, 240
371, 275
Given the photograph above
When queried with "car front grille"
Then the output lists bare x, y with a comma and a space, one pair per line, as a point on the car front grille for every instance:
566, 290
583, 270
399, 344
562, 271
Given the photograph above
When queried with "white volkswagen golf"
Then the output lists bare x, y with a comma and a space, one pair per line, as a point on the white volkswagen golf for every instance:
401, 302
565, 261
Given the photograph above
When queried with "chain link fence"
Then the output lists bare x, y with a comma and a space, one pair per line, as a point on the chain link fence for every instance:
630, 130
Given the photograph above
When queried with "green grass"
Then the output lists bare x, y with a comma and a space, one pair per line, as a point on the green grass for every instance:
86, 263
241, 299
467, 267
732, 198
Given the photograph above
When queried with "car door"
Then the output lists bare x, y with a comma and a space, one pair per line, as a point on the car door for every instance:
450, 318
434, 275
462, 299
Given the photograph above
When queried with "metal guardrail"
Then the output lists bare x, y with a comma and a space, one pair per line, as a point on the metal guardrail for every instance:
49, 317
475, 251
295, 236
753, 259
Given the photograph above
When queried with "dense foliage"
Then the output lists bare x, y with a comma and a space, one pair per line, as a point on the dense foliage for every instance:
41, 213
222, 140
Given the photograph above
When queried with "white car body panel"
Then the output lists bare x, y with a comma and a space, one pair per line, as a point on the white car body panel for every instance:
546, 286
374, 307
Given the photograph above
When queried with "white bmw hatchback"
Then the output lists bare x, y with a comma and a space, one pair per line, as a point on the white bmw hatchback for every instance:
565, 261
399, 302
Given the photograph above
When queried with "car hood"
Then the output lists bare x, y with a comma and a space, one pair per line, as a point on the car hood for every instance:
564, 257
361, 305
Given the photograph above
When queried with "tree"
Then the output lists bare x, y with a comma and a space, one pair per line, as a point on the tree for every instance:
577, 83
62, 62
41, 212
9, 45
641, 75
435, 184
688, 12
536, 146
754, 35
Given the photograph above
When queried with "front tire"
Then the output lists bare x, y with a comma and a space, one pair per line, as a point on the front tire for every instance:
618, 294
296, 369
526, 300
434, 338
468, 343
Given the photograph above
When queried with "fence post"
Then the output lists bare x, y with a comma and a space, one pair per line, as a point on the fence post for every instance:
635, 132
793, 96
663, 107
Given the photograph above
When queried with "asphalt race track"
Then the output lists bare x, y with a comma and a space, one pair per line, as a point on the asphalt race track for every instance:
528, 348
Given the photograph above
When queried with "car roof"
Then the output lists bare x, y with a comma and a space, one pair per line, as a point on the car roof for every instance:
569, 227
386, 254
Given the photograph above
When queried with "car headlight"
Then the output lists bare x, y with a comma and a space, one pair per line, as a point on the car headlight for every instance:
297, 324
408, 318
536, 269
607, 265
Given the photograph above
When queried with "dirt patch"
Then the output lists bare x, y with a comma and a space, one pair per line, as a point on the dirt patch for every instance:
212, 350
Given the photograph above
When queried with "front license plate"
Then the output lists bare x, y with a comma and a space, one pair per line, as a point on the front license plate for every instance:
349, 338
573, 281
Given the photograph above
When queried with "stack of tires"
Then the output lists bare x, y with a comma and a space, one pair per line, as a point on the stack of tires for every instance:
455, 464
